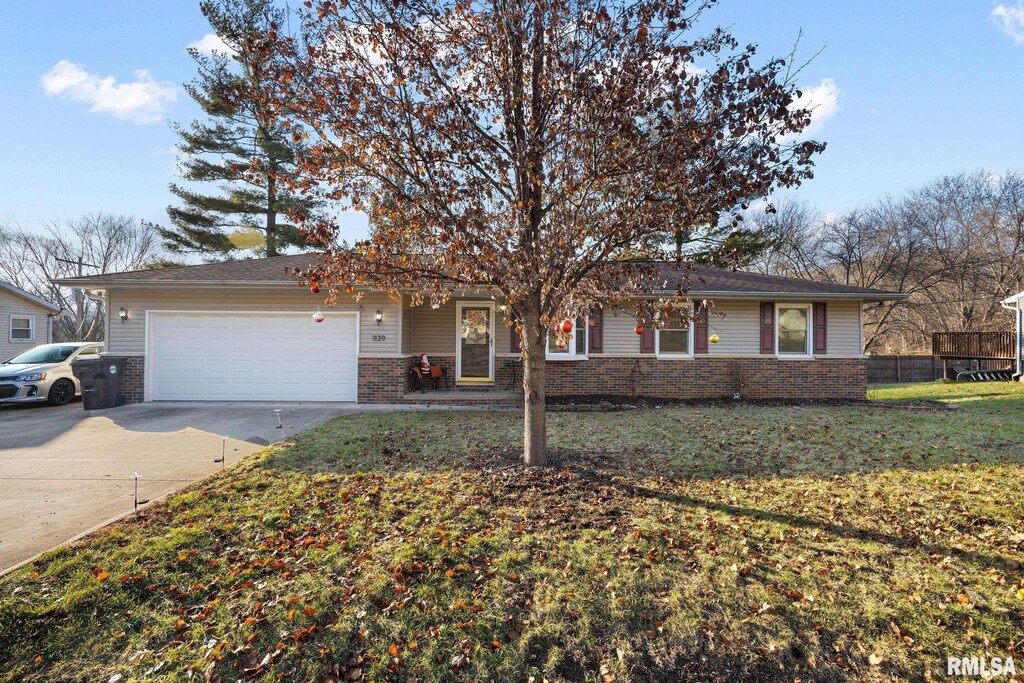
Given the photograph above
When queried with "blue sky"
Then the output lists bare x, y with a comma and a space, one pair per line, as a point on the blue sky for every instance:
908, 90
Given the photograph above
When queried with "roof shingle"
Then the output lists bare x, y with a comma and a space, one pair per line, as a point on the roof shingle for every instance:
276, 271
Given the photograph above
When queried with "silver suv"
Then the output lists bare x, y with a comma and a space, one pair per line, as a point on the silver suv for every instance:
44, 373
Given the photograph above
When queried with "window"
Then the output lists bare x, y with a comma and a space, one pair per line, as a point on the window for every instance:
575, 346
674, 339
23, 328
793, 329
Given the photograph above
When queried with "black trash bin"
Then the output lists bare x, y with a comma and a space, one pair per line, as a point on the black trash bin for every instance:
99, 379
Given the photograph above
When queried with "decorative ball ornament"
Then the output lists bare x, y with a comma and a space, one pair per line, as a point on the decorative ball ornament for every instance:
560, 343
566, 326
318, 317
315, 288
713, 338
639, 329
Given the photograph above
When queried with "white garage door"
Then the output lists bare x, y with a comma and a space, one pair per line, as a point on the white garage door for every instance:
251, 357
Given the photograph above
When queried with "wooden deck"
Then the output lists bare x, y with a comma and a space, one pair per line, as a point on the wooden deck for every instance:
971, 345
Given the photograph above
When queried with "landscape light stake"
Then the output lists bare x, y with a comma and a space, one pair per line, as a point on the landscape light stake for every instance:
223, 451
136, 476
280, 425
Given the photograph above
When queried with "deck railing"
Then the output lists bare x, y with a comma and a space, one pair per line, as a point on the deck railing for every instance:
973, 345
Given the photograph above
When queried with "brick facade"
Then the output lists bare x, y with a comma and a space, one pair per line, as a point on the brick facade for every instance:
383, 380
130, 384
386, 380
820, 378
709, 377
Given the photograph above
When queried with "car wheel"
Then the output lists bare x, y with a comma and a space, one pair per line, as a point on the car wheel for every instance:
62, 391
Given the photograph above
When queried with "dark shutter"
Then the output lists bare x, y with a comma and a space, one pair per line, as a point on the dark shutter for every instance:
700, 330
597, 330
820, 328
647, 338
516, 343
767, 327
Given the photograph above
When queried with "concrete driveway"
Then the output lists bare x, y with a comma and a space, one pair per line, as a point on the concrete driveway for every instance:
64, 471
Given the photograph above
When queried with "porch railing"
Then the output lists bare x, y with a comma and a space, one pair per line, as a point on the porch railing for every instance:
998, 345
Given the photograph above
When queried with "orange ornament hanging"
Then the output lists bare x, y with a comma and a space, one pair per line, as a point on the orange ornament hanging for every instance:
639, 329
566, 326
315, 288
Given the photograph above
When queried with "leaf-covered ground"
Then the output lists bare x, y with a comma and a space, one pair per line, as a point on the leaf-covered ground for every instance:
693, 543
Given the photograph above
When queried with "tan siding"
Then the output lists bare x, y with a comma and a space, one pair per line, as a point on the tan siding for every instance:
406, 326
434, 331
129, 337
17, 306
737, 324
619, 333
844, 328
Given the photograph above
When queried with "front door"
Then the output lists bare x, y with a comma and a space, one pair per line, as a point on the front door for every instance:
474, 353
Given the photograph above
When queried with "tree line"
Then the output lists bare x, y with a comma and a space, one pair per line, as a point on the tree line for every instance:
955, 245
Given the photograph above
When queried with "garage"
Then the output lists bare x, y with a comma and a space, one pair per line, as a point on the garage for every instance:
246, 356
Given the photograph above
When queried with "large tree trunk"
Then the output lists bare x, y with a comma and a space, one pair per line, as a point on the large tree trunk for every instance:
535, 434
271, 217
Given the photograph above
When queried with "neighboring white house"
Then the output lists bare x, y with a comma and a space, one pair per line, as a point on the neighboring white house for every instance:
1016, 304
26, 320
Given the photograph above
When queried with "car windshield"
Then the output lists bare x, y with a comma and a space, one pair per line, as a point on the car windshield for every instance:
44, 354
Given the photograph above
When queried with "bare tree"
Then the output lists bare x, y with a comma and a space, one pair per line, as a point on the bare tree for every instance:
956, 246
88, 245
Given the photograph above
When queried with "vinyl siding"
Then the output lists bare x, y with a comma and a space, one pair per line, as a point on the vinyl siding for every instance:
130, 337
433, 332
737, 325
11, 305
425, 330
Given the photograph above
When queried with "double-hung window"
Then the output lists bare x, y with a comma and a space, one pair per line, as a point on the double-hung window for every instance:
23, 328
793, 330
674, 339
574, 347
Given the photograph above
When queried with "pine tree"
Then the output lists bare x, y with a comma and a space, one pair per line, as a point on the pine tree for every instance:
241, 149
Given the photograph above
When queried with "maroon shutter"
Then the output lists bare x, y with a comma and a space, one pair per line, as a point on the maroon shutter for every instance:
820, 328
647, 338
700, 330
767, 327
597, 330
516, 342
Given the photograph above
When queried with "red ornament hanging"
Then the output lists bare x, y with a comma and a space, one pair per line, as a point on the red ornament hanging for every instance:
315, 288
318, 317
639, 329
566, 326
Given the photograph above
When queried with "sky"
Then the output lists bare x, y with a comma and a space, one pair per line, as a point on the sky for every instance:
904, 91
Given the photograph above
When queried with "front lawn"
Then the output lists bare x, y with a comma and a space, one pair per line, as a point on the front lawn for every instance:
693, 543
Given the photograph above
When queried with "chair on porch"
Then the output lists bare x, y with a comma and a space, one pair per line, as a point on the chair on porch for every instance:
436, 373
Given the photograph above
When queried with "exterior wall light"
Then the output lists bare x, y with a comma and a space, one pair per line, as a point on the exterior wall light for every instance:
378, 316
123, 314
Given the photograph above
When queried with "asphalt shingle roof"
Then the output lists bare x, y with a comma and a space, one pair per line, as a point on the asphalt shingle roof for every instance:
277, 270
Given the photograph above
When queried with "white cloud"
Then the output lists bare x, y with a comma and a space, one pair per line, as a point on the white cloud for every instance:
1009, 20
822, 101
211, 43
141, 101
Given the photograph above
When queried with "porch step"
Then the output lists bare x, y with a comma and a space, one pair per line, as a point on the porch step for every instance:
465, 397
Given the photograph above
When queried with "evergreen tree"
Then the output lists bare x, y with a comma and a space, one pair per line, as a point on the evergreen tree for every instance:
241, 149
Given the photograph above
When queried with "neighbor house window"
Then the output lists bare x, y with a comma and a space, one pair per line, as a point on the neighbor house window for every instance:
674, 339
23, 328
793, 330
575, 347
